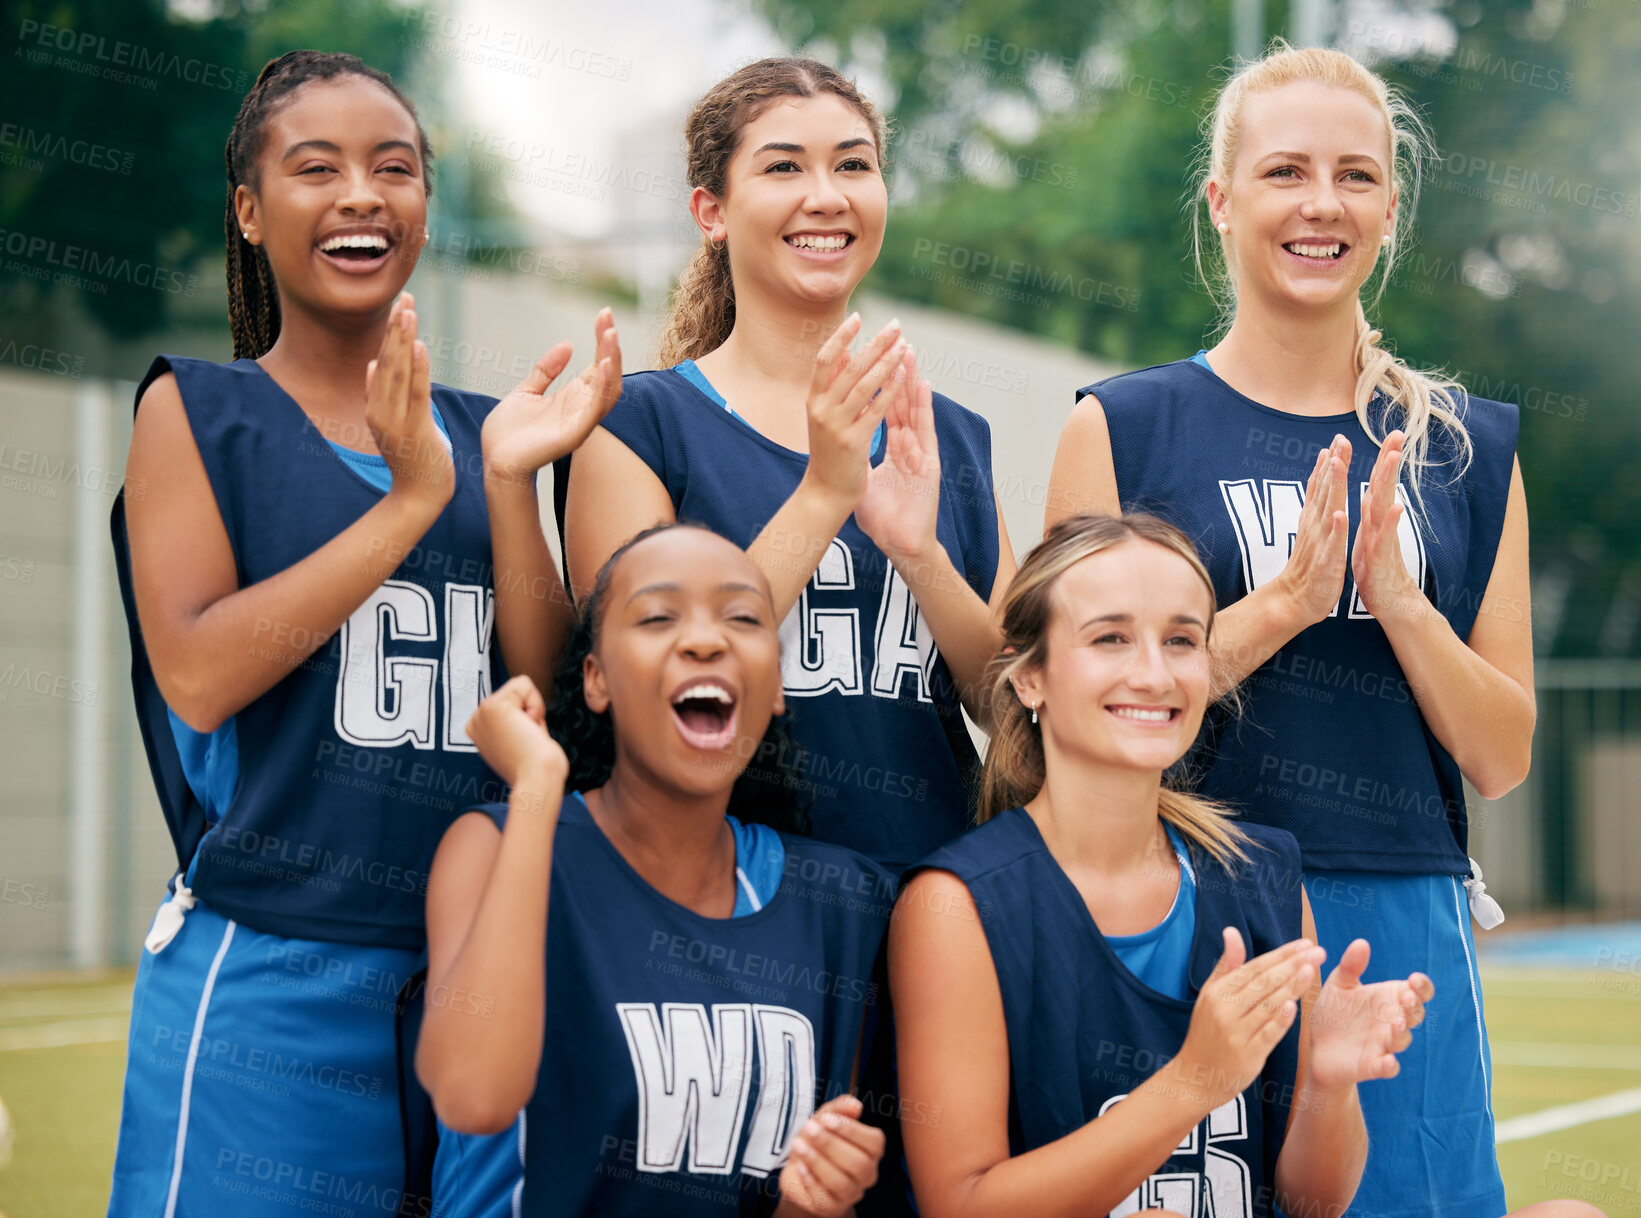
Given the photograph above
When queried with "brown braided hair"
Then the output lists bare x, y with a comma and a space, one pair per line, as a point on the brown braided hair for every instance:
253, 297
703, 304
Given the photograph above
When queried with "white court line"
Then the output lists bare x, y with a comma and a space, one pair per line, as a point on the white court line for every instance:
1567, 1056
68, 1032
1565, 1116
54, 1006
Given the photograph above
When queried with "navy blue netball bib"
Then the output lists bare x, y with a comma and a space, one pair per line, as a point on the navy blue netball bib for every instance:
1330, 743
682, 1052
1083, 1031
352, 767
872, 700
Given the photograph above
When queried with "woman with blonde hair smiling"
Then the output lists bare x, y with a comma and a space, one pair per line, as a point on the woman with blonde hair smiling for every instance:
1366, 530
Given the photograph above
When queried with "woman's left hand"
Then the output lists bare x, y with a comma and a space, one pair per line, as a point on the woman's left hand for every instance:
1356, 1030
902, 502
528, 429
1376, 564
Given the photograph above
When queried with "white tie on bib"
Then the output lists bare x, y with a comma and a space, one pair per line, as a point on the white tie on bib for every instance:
1483, 908
168, 921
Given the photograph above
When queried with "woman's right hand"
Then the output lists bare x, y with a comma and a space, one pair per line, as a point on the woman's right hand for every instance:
510, 730
833, 1161
527, 429
1241, 1013
1314, 576
399, 412
845, 408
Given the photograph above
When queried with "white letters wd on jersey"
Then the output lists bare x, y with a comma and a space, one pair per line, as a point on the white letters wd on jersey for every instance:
820, 644
1265, 516
383, 701
1225, 1188
694, 1071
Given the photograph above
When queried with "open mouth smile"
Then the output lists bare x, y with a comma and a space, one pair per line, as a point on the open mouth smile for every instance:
358, 252
705, 714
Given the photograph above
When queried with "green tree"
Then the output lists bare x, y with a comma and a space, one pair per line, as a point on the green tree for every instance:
113, 189
1042, 150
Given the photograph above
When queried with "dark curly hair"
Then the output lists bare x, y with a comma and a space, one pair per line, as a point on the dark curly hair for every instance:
770, 791
253, 300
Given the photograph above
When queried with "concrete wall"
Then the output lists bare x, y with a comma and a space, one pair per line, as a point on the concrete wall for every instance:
78, 799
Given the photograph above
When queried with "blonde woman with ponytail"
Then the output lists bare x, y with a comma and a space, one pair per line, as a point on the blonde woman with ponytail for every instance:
1365, 528
1107, 991
864, 497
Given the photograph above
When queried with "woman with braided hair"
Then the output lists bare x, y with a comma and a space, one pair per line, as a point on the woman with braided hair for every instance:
308, 576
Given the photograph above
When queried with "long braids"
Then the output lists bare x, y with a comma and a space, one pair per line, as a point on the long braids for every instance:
253, 297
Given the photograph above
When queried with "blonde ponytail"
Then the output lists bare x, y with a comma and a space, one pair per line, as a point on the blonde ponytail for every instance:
1414, 400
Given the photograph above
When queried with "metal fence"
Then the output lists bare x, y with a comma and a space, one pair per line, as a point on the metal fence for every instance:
1569, 838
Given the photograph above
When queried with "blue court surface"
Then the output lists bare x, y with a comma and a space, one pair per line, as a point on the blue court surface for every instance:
1600, 945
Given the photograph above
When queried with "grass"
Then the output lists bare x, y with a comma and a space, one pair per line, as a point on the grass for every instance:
65, 1100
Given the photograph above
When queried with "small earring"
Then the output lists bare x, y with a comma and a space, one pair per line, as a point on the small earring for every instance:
1034, 714
1223, 228
717, 246
1385, 240
245, 233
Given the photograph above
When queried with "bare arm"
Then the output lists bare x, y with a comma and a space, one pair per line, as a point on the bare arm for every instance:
613, 494
1351, 1034
1252, 630
527, 430
481, 1038
534, 615
1326, 1144
844, 409
900, 512
952, 1041
965, 628
1083, 478
215, 647
1476, 695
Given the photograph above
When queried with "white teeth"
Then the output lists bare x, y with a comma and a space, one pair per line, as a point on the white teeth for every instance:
717, 693
358, 241
806, 241
1316, 251
1145, 716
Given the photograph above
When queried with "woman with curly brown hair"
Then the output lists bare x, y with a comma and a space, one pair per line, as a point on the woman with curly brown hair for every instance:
864, 497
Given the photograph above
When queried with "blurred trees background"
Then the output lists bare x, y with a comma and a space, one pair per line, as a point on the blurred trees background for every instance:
1047, 144
1042, 148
